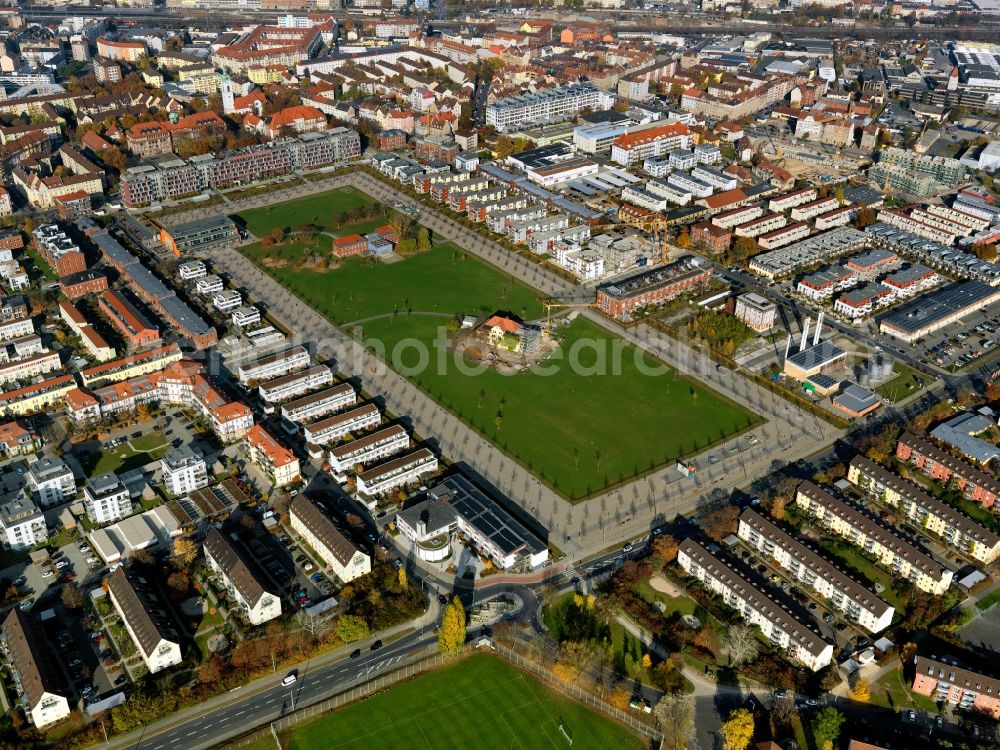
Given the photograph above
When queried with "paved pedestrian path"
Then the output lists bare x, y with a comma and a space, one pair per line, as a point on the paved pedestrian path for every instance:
579, 529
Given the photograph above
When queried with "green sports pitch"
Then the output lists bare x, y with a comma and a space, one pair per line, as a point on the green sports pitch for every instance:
479, 702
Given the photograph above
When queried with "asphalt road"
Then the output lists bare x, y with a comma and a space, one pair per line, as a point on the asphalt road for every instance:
271, 703
238, 712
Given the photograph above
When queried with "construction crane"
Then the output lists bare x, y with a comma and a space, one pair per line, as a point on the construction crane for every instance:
547, 331
661, 248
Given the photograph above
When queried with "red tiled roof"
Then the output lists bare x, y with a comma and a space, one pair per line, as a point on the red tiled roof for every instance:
348, 240
645, 136
725, 198
291, 115
504, 323
265, 442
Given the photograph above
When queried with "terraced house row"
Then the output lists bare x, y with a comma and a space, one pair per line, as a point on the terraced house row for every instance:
924, 511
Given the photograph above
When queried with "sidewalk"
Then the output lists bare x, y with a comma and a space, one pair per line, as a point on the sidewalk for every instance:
238, 694
583, 526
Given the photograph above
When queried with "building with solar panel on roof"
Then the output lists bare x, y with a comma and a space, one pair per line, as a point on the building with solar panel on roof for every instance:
455, 505
812, 358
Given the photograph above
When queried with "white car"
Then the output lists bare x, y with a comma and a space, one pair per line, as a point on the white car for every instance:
290, 678
47, 573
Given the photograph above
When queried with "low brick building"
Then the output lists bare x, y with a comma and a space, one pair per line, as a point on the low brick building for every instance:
76, 285
708, 237
351, 244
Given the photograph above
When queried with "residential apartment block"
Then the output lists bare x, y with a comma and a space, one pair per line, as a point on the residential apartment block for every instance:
925, 512
92, 341
976, 484
943, 681
338, 425
397, 472
273, 365
50, 482
856, 603
295, 384
756, 311
457, 505
345, 560
184, 471
319, 404
106, 499
276, 460
651, 287
893, 552
634, 148
17, 440
364, 450
171, 178
128, 320
46, 394
60, 252
29, 367
148, 287
22, 524
243, 586
214, 232
801, 644
181, 382
146, 619
547, 106
38, 680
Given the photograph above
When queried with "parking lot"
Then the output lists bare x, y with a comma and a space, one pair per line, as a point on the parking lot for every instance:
293, 573
807, 607
964, 344
138, 444
984, 631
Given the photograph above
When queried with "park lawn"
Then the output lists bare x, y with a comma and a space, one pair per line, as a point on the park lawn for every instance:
579, 432
314, 209
902, 385
683, 605
39, 267
264, 743
131, 455
122, 459
443, 282
480, 702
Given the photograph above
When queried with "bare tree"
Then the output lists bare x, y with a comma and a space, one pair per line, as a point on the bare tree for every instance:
314, 625
675, 711
783, 711
742, 645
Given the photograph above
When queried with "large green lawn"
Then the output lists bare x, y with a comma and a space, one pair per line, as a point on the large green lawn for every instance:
317, 209
480, 702
579, 429
440, 283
